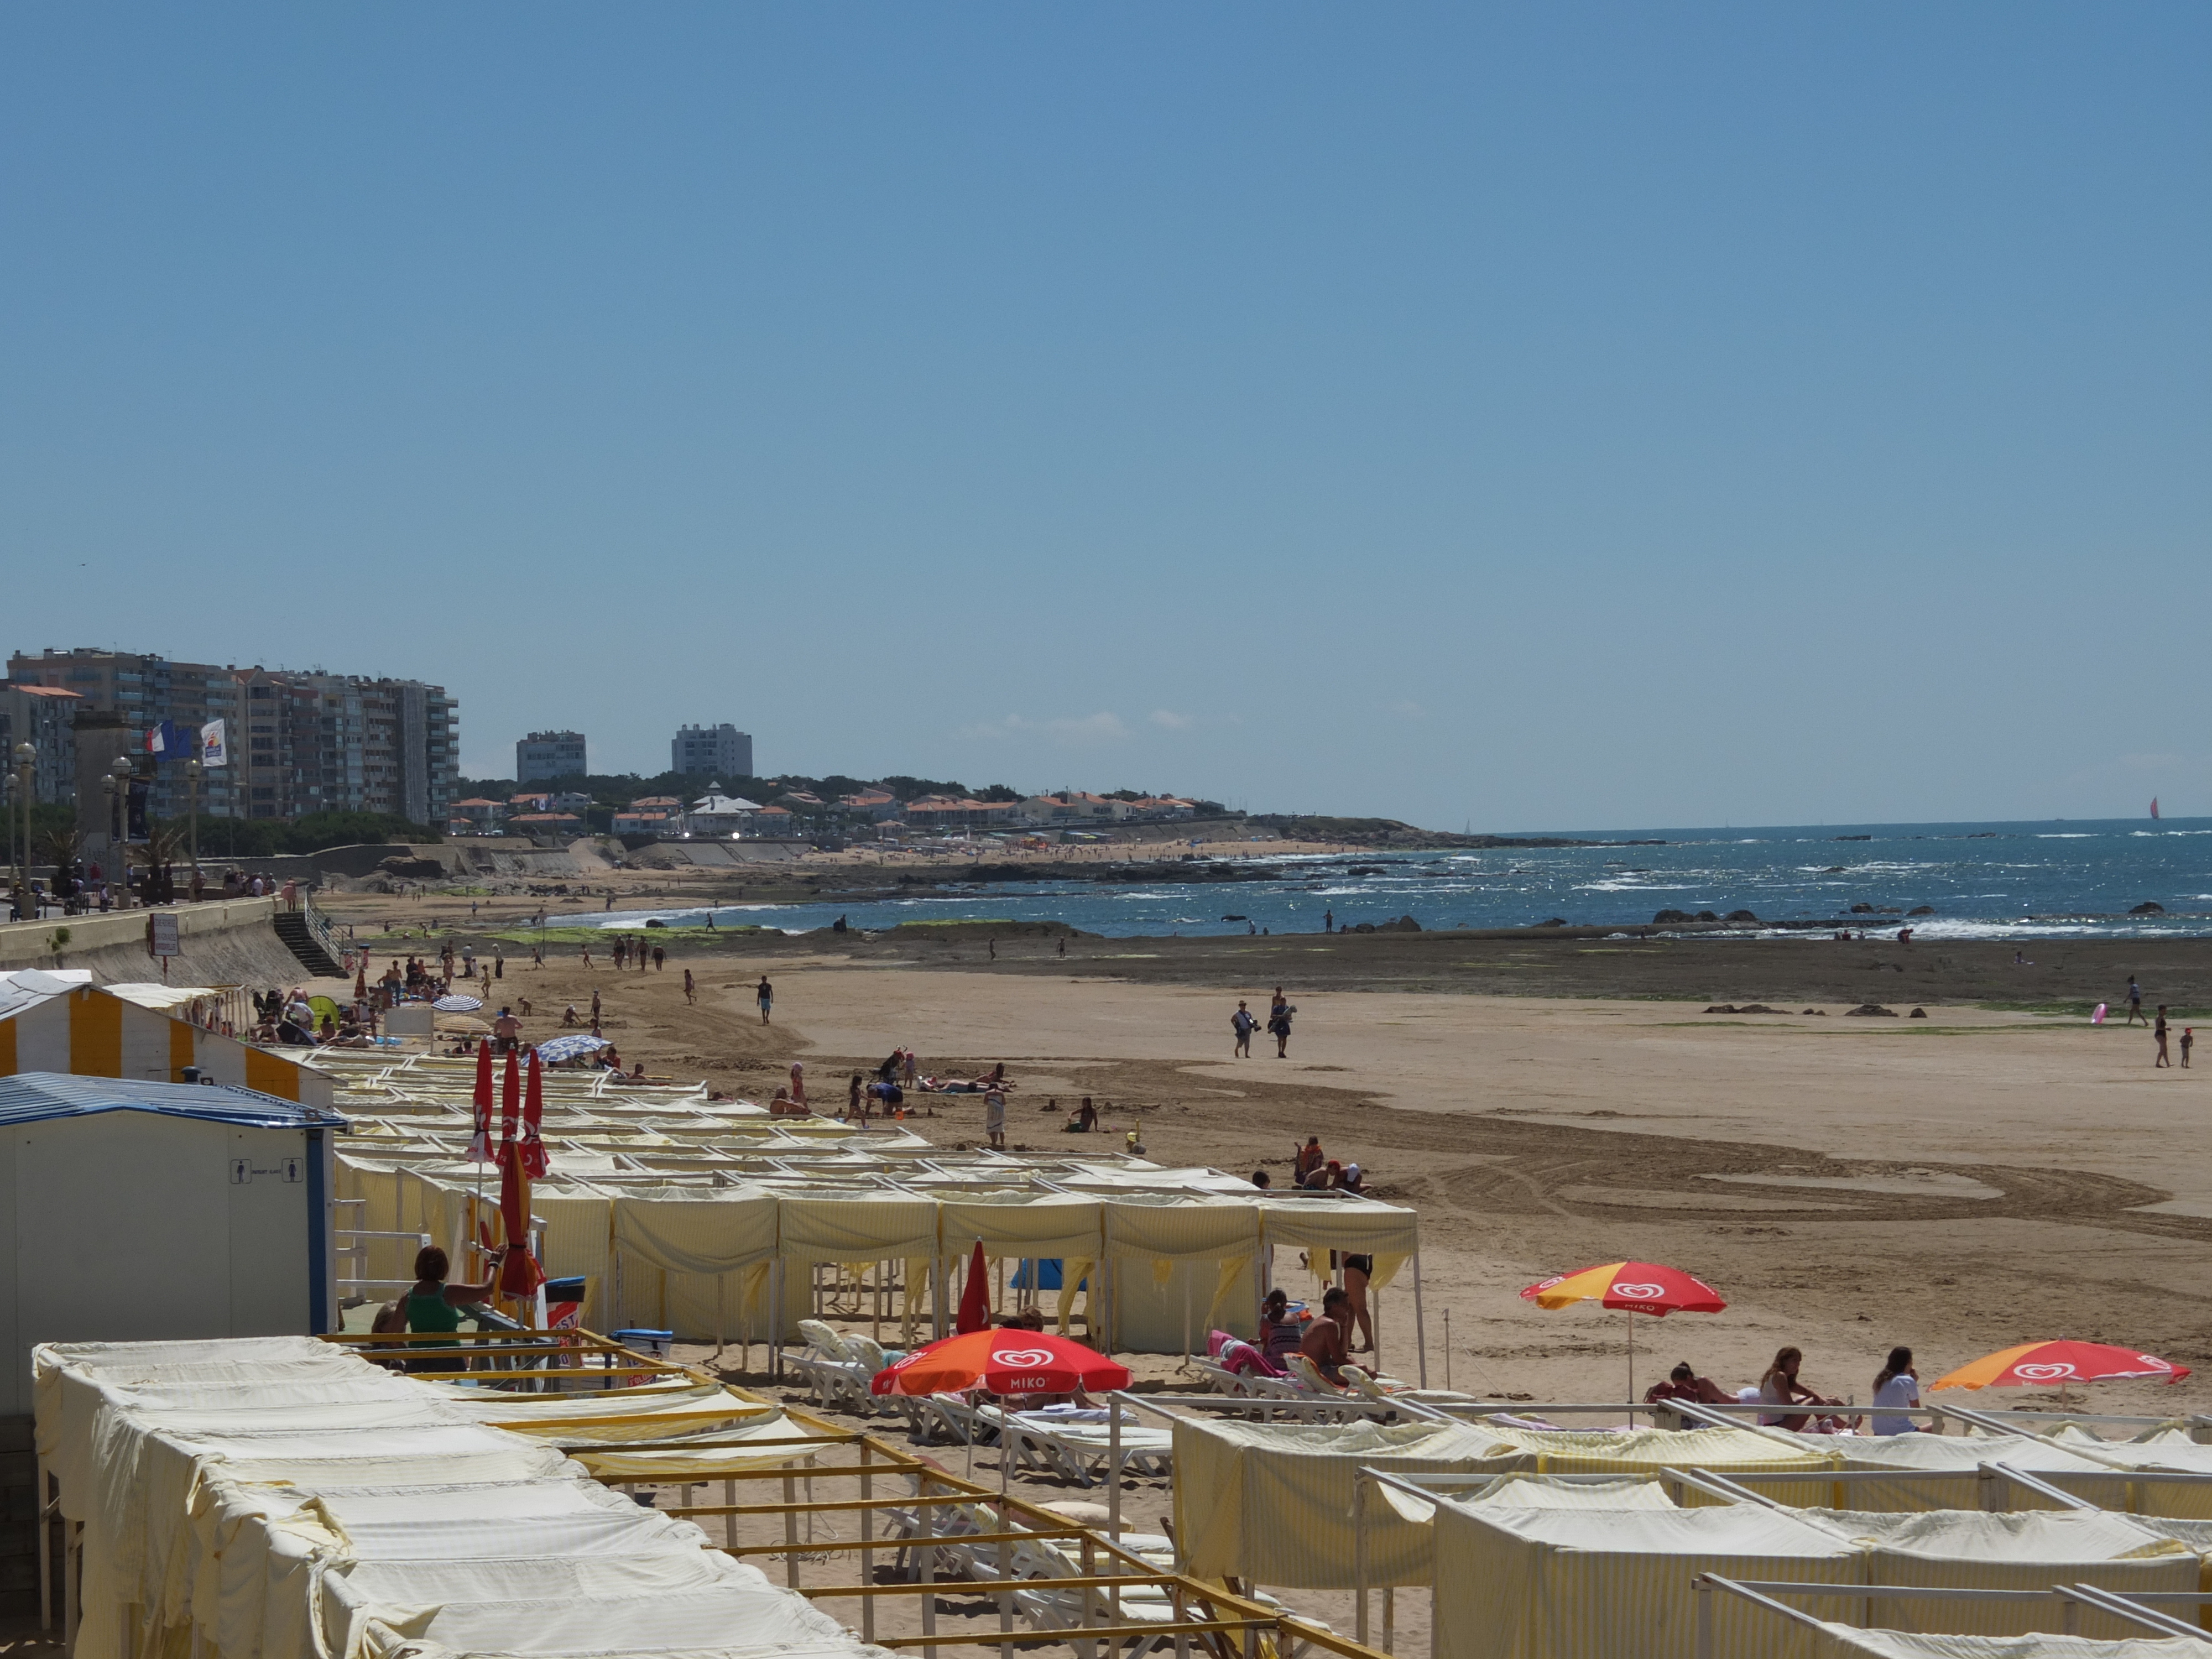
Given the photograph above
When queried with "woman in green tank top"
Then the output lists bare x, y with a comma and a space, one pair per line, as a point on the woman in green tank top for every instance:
435, 1306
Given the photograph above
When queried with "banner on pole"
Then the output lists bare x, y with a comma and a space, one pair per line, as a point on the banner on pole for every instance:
213, 751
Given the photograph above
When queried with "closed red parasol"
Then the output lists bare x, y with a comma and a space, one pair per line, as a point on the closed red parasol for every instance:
480, 1131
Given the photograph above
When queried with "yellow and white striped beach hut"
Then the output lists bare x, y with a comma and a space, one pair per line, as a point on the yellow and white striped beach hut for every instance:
61, 1022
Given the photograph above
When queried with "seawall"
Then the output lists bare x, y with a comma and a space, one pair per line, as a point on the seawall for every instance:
226, 942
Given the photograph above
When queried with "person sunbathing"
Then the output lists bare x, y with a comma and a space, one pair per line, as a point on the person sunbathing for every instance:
1780, 1387
784, 1106
1324, 1341
1683, 1383
1280, 1334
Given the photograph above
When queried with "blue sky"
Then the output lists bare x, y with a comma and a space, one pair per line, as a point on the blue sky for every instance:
1577, 416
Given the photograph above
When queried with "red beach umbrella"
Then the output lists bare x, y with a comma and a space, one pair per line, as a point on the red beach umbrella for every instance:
519, 1275
1635, 1287
510, 1101
2035, 1364
1005, 1362
1642, 1287
533, 1116
480, 1131
975, 1298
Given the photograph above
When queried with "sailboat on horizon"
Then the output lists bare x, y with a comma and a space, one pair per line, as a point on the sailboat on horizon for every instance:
2153, 809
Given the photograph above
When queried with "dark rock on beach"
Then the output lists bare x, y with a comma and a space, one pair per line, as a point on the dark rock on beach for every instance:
1921, 910
1665, 917
1742, 915
1872, 1008
2150, 907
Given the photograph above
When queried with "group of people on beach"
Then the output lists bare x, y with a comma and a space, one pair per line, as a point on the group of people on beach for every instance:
1896, 1387
2159, 1028
1244, 1022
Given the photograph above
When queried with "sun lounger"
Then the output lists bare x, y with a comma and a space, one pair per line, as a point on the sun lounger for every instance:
1079, 1446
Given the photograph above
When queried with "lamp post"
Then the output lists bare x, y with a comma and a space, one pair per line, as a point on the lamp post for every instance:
192, 777
25, 782
119, 791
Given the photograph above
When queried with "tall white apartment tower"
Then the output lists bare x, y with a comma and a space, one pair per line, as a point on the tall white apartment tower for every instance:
721, 750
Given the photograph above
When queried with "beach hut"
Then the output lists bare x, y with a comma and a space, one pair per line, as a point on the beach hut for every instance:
60, 1021
157, 1212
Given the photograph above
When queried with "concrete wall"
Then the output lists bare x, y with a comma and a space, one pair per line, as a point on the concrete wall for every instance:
226, 942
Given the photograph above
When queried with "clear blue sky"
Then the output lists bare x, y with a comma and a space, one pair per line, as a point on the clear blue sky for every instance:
1534, 416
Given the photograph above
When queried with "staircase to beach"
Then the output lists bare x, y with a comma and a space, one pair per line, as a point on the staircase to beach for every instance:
310, 944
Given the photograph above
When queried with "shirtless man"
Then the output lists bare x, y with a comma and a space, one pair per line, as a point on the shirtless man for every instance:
1324, 1341
506, 1032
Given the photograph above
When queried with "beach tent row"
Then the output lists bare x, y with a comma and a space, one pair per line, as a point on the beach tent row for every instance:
59, 1021
283, 1499
738, 1262
1555, 1541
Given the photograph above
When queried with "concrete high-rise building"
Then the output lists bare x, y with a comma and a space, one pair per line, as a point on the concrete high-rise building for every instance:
544, 756
722, 750
299, 742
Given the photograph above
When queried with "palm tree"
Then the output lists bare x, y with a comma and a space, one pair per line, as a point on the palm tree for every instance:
59, 846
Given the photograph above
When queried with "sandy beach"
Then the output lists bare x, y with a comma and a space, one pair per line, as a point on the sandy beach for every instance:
1981, 1176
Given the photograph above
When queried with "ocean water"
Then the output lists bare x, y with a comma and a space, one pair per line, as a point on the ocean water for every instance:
1983, 880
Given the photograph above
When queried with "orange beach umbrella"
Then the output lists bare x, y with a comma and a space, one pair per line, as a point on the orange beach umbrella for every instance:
2032, 1363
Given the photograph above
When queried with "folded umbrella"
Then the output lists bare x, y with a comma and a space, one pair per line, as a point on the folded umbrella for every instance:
534, 1161
480, 1128
975, 1295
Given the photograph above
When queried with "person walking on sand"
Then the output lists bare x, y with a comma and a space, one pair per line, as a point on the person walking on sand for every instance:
690, 989
586, 949
2135, 1002
2158, 1031
1328, 922
1243, 1025
1279, 1023
995, 1119
766, 996
2188, 1041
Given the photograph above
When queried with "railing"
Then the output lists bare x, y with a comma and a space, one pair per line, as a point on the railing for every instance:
319, 929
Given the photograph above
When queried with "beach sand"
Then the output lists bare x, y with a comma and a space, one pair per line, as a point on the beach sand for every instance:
1957, 1184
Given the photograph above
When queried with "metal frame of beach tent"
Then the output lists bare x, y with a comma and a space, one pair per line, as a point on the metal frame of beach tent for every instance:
641, 1441
2071, 1599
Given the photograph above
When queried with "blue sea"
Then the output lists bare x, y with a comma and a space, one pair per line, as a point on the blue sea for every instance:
1982, 881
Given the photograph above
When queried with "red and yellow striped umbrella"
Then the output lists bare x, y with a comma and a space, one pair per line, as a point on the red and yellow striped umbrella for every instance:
1638, 1286
2035, 1364
1634, 1287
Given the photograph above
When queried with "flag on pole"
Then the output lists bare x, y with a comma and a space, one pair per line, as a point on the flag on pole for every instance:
213, 749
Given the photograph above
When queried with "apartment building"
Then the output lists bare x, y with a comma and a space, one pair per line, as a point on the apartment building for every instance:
544, 756
720, 750
299, 742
